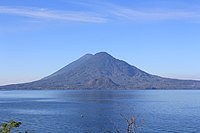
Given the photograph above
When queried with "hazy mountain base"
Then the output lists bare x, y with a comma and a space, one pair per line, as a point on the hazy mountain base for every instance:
101, 71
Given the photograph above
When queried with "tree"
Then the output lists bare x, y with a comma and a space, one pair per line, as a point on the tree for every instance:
133, 125
8, 126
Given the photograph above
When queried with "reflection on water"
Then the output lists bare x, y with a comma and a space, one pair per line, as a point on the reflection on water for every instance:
91, 111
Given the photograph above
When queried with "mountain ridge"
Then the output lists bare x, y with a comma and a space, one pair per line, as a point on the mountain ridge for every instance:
103, 71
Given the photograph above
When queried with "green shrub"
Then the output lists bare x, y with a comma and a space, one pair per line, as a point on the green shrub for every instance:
8, 126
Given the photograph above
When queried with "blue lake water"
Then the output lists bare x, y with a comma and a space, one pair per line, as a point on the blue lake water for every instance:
161, 111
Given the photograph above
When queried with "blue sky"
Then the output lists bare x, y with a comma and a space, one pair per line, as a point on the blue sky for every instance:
158, 36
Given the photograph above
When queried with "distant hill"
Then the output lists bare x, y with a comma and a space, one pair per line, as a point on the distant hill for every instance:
102, 71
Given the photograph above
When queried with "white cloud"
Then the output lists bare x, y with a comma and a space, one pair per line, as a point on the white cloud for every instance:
154, 14
114, 12
105, 12
53, 14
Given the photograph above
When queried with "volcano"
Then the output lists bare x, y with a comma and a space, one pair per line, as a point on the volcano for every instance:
103, 71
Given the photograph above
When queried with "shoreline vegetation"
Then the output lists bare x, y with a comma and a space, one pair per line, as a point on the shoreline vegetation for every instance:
8, 126
88, 89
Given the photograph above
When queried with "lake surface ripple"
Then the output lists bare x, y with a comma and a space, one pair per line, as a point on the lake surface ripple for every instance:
45, 111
